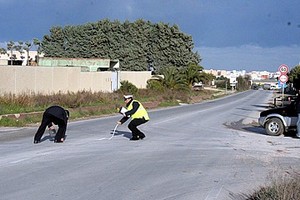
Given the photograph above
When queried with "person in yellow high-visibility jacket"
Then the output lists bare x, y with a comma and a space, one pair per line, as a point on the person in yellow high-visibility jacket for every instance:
138, 114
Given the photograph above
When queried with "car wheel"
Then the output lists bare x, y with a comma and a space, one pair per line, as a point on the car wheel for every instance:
274, 127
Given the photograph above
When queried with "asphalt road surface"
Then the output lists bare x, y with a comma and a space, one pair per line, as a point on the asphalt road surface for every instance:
211, 150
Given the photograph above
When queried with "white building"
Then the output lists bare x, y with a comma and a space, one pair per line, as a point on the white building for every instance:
19, 58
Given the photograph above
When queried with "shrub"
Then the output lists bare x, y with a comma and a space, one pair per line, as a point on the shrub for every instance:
156, 85
128, 88
283, 187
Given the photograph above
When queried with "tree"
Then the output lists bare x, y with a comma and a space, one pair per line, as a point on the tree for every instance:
172, 78
294, 77
38, 43
27, 47
19, 48
243, 83
130, 42
11, 47
206, 78
192, 74
2, 51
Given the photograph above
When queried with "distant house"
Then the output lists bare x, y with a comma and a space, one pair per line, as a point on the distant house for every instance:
19, 58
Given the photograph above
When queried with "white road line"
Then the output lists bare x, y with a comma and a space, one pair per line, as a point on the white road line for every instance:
18, 161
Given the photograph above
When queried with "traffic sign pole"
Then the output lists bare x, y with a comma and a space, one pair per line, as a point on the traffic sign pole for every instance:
283, 78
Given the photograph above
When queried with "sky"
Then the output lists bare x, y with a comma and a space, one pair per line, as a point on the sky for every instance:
251, 35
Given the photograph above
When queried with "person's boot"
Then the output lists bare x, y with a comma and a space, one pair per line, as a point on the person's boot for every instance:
135, 137
36, 141
61, 140
142, 136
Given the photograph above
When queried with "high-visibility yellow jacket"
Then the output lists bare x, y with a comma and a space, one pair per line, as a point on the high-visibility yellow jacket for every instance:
140, 113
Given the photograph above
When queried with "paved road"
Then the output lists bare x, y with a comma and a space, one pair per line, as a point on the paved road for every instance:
208, 151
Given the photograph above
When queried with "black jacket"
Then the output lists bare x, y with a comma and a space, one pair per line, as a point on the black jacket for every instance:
135, 106
59, 113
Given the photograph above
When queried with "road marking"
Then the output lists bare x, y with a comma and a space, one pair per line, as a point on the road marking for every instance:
18, 161
214, 193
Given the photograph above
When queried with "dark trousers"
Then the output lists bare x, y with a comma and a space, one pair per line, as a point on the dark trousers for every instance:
133, 127
47, 119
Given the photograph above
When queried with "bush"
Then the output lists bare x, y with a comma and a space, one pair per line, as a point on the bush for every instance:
156, 85
128, 88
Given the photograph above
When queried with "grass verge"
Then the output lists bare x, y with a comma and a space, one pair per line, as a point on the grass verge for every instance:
25, 110
281, 186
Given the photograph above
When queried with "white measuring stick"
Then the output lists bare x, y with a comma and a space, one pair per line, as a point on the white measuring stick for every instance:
113, 134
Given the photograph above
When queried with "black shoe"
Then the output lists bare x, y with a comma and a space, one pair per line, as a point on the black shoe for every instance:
134, 138
142, 136
59, 141
36, 141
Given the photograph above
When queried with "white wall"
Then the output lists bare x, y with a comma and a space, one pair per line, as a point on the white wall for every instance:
49, 80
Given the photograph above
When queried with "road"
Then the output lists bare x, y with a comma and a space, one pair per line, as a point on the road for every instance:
211, 150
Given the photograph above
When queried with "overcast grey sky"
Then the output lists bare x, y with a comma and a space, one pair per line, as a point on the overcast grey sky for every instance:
228, 34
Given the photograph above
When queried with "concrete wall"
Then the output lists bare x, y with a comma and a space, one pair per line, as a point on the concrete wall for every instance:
48, 80
3, 61
139, 79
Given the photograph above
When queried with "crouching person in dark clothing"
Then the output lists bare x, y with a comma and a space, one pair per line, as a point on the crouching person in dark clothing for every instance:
136, 111
57, 115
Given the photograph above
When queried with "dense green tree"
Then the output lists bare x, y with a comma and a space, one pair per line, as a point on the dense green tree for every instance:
135, 44
294, 77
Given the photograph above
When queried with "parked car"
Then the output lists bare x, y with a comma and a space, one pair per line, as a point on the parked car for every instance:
281, 120
198, 86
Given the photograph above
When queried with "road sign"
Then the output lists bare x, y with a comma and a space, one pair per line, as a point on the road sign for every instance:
283, 78
283, 69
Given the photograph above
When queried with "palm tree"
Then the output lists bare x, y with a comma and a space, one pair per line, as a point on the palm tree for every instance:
192, 74
19, 48
207, 78
2, 51
172, 78
27, 48
38, 43
10, 47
